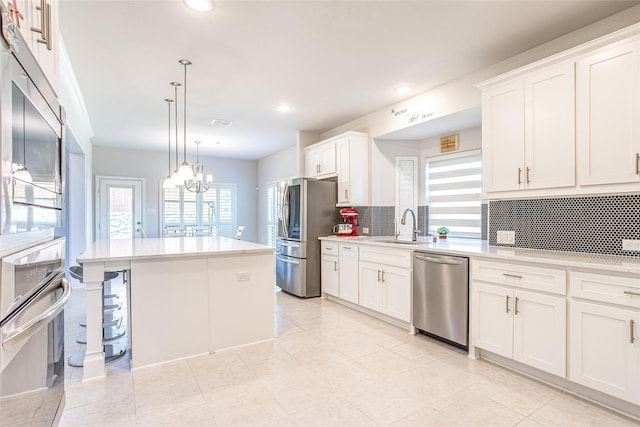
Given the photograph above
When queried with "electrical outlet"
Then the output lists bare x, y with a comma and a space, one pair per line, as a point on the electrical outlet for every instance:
631, 245
244, 276
365, 230
506, 237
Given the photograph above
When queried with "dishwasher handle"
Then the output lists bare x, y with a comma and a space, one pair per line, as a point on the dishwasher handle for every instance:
448, 261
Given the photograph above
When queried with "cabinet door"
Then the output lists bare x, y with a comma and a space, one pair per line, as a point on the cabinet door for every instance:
503, 137
550, 127
396, 284
348, 268
344, 171
492, 318
329, 275
608, 116
540, 331
312, 163
605, 349
328, 159
371, 292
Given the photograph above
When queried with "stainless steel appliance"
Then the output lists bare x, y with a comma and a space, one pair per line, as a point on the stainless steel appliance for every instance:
33, 294
441, 297
31, 149
306, 211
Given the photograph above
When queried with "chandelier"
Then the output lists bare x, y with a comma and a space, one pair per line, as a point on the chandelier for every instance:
200, 182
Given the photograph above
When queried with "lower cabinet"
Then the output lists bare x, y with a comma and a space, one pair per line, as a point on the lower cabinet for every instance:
605, 334
348, 271
386, 289
329, 274
524, 325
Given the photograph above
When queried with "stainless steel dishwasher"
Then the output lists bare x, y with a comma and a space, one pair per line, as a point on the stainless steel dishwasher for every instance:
441, 297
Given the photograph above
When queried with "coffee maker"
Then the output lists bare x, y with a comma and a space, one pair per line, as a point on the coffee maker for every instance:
350, 222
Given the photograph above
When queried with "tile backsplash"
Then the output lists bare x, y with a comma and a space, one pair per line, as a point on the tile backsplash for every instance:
594, 224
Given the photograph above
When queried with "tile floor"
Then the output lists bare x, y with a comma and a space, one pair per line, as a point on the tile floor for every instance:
328, 366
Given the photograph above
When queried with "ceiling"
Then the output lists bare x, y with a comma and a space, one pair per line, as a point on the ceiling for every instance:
333, 61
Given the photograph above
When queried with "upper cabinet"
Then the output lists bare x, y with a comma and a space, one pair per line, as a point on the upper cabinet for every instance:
39, 28
346, 157
353, 169
608, 124
528, 131
320, 160
565, 125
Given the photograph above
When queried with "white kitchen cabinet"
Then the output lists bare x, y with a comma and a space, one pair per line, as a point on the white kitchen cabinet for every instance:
386, 289
348, 271
528, 131
605, 349
512, 321
385, 281
353, 169
329, 274
604, 334
39, 28
608, 115
320, 160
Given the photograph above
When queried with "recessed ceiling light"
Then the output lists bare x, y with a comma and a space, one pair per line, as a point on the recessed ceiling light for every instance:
200, 5
403, 89
284, 108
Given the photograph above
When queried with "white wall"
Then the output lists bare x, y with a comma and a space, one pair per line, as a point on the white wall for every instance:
153, 167
278, 166
453, 97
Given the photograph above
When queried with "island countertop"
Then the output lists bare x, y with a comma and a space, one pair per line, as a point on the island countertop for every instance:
168, 247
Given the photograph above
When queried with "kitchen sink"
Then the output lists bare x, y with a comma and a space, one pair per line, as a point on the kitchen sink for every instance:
403, 242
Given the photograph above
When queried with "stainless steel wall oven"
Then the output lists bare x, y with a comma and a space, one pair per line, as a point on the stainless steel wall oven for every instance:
33, 294
31, 149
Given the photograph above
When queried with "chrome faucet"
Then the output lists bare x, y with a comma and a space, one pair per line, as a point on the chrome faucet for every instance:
414, 229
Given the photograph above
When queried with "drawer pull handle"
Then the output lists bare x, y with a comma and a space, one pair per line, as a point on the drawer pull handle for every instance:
631, 337
632, 293
516, 307
515, 276
507, 304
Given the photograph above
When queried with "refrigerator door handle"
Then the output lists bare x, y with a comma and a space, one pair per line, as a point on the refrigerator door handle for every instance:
285, 210
287, 260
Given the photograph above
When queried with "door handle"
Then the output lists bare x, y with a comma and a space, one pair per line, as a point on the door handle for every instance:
382, 276
527, 174
519, 176
631, 326
438, 260
507, 304
637, 163
335, 265
378, 275
43, 318
288, 261
515, 311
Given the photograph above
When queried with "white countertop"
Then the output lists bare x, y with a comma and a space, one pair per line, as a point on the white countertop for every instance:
168, 247
480, 249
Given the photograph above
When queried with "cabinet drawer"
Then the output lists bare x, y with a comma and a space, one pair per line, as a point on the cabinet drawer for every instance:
604, 288
381, 255
520, 276
329, 248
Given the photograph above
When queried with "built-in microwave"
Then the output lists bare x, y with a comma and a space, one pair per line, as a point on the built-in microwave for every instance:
31, 196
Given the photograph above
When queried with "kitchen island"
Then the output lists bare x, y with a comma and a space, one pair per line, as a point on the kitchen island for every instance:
187, 296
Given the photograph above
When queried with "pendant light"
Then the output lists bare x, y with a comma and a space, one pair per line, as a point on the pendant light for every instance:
168, 183
185, 171
198, 184
175, 176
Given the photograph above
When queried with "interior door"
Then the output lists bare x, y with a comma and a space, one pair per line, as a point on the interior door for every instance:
119, 208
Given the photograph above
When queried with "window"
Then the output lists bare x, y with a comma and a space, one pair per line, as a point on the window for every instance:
272, 214
214, 210
454, 186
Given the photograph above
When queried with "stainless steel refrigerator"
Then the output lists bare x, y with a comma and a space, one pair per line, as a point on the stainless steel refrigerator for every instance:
306, 211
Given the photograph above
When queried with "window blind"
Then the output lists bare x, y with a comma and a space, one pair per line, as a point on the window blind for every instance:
454, 186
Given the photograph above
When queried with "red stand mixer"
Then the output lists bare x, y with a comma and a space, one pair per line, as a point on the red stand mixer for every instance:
349, 227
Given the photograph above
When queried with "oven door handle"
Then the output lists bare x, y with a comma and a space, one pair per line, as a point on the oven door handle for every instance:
42, 319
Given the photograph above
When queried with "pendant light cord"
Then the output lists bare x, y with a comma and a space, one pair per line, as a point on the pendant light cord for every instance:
175, 87
185, 62
169, 101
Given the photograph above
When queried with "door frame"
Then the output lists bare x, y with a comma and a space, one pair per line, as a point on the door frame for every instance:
98, 213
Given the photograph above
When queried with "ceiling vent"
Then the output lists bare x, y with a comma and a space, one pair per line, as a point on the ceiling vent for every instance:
221, 123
